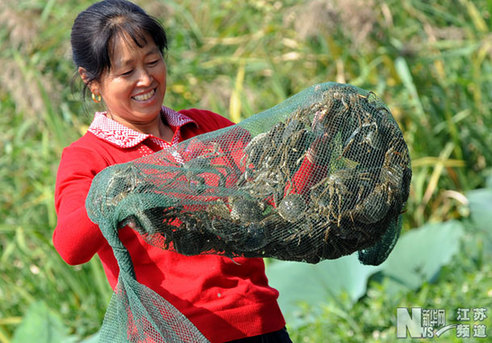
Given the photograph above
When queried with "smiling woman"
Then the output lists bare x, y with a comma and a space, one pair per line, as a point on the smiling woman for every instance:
118, 51
122, 61
134, 88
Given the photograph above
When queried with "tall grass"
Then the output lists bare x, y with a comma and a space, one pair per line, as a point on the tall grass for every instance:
431, 61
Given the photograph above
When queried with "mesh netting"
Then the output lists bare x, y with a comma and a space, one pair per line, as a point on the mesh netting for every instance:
138, 314
321, 175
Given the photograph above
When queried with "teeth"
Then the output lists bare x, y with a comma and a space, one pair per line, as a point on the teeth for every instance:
145, 96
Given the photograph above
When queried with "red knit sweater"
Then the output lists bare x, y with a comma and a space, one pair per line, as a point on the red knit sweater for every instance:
225, 299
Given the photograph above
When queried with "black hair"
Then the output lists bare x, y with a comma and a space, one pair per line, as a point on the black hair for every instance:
95, 29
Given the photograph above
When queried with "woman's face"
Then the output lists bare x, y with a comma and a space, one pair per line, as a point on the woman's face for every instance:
134, 88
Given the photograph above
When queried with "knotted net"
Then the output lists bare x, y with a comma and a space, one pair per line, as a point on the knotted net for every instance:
321, 175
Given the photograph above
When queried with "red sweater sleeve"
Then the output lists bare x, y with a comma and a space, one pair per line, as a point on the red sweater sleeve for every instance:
76, 238
207, 121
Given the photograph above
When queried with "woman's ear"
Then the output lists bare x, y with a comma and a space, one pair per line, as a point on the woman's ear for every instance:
93, 85
83, 75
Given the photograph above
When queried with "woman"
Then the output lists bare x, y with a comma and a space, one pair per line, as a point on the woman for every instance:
118, 50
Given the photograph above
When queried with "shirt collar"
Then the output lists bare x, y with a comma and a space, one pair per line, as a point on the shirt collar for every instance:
124, 137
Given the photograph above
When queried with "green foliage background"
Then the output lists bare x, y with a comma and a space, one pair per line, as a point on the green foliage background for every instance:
431, 62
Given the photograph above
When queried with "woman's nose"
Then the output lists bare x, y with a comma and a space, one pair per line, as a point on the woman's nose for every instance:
144, 77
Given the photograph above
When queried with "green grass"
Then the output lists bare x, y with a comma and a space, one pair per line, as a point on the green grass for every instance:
466, 282
429, 60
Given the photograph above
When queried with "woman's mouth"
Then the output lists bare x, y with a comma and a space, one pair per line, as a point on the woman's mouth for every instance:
145, 96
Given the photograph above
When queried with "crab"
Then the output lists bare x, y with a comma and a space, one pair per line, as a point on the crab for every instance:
337, 193
332, 193
246, 209
238, 224
198, 172
125, 179
364, 142
292, 208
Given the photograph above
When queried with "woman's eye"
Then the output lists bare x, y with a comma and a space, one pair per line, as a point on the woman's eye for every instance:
126, 73
153, 63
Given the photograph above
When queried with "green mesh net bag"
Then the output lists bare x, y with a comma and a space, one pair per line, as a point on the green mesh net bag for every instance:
323, 174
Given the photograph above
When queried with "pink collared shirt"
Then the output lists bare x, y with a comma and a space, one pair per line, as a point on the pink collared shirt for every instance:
118, 134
